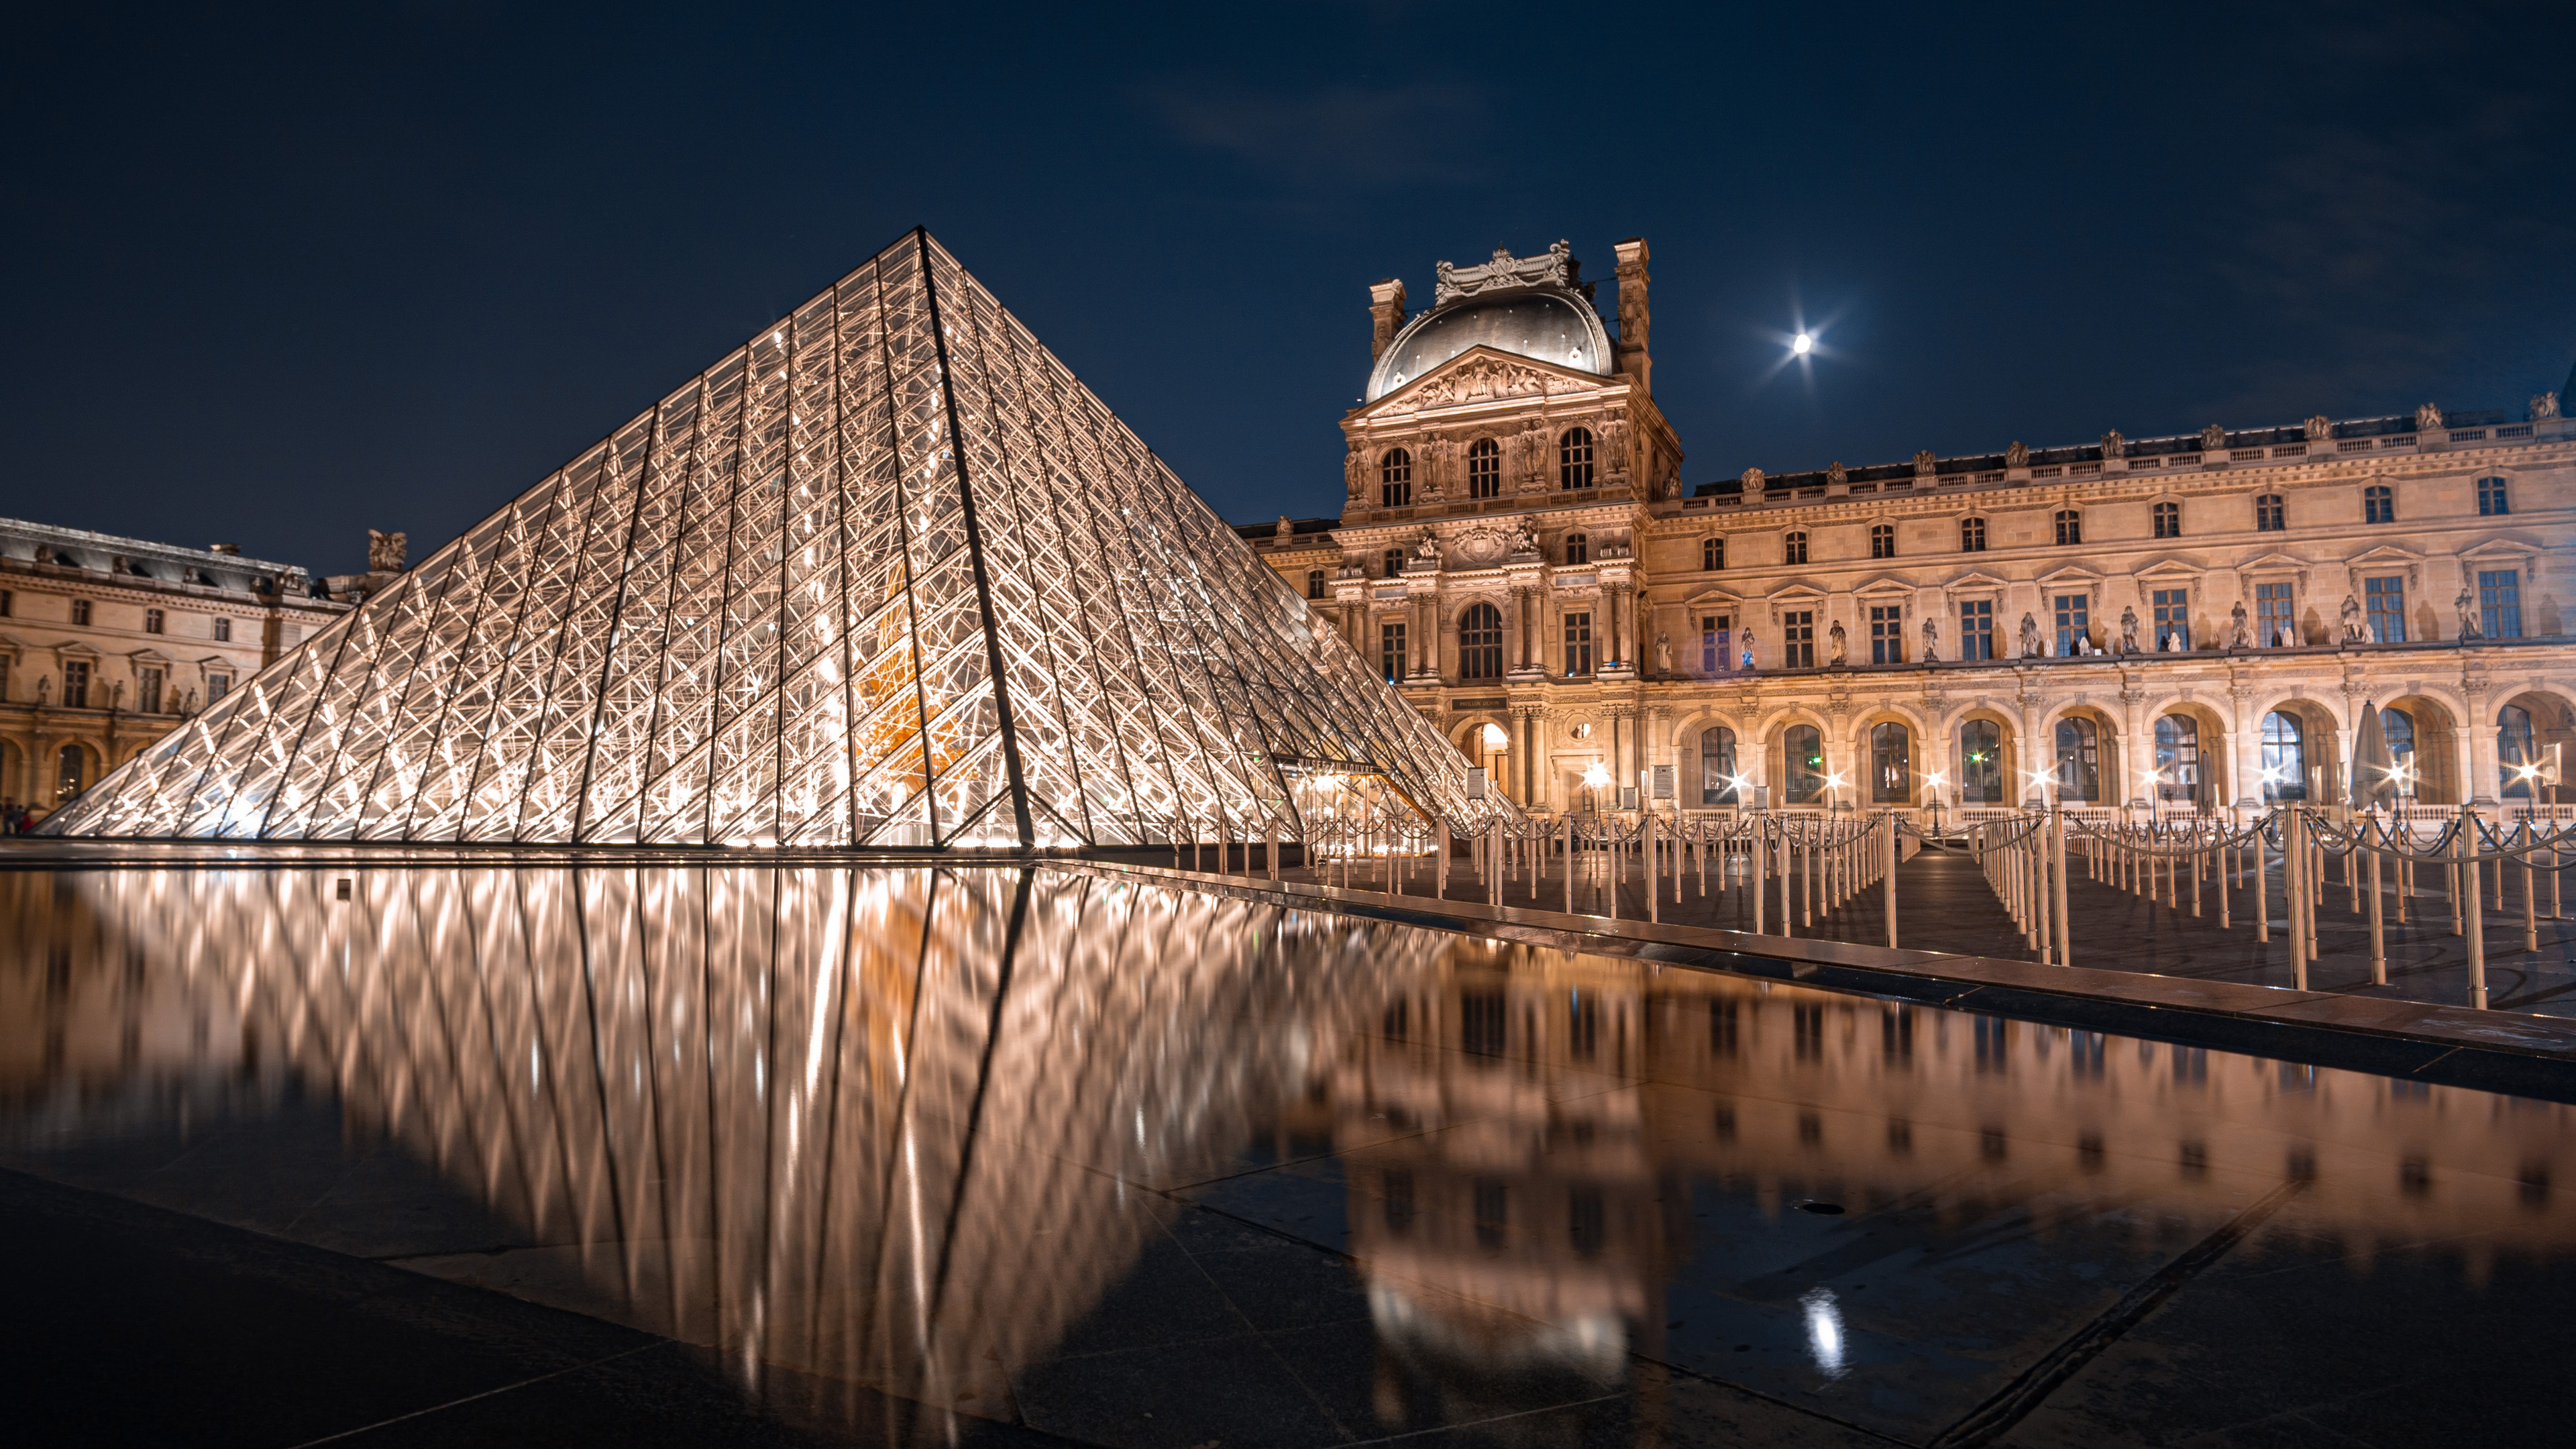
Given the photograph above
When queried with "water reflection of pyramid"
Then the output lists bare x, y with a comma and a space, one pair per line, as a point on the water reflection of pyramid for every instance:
887, 575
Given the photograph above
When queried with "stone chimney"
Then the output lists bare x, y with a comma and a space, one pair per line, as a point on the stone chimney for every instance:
1634, 360
1386, 309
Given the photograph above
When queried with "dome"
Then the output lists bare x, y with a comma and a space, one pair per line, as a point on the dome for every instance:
1534, 322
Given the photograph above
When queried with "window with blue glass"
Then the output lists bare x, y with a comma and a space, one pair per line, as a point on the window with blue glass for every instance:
2491, 498
2500, 603
2385, 599
2073, 621
1977, 629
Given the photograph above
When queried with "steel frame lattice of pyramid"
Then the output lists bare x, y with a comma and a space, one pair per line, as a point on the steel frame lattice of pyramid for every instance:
888, 575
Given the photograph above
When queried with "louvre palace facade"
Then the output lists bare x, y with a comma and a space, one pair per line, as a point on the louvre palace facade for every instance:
2179, 622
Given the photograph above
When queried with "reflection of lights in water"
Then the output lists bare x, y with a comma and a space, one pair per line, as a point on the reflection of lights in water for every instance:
1824, 1331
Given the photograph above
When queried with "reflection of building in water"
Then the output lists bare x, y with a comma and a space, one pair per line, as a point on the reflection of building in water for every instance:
821, 1118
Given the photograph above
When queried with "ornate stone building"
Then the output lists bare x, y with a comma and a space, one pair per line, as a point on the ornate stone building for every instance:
2191, 620
107, 642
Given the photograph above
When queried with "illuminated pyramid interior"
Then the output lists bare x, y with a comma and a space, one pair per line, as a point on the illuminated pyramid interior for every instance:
887, 575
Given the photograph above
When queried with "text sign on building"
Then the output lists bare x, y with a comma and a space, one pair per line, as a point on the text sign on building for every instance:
1475, 782
1663, 782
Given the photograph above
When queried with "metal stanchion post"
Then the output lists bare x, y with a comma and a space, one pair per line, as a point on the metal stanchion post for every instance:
2475, 917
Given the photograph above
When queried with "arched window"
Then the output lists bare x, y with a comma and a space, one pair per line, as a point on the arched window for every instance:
1795, 549
2491, 498
2168, 520
2079, 760
1981, 763
2178, 758
1314, 583
2070, 527
1578, 548
1574, 458
2285, 758
1480, 642
2269, 515
1394, 561
1717, 766
2399, 728
1882, 540
71, 775
1802, 751
2379, 504
1395, 479
2516, 748
1712, 554
1484, 469
1891, 764
1972, 535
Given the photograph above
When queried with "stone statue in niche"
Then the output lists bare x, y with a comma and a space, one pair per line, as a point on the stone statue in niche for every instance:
44, 689
2128, 631
2354, 630
2017, 455
2467, 604
1931, 640
1355, 471
1664, 654
1746, 639
2239, 635
2029, 637
1834, 637
387, 552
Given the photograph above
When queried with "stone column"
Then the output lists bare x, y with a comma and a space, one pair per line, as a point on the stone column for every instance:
2133, 752
2479, 789
2244, 751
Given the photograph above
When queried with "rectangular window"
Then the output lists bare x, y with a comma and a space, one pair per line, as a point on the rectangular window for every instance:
2269, 515
1887, 633
1977, 630
2500, 603
80, 611
1972, 535
1314, 590
2386, 600
217, 685
75, 684
2172, 617
148, 694
2491, 498
152, 621
1798, 639
2276, 625
4, 679
1390, 652
223, 631
2073, 622
8, 603
1578, 645
1715, 638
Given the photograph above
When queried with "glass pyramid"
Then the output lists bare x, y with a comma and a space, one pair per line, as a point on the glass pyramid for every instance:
888, 575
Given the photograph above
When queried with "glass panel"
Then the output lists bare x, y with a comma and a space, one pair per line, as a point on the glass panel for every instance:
1891, 768
2385, 600
1981, 763
1803, 755
2079, 760
2500, 603
1717, 772
2285, 758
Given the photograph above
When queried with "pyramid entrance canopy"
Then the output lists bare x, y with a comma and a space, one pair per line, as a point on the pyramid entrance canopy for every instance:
887, 575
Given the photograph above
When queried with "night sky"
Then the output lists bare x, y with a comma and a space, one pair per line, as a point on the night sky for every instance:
275, 279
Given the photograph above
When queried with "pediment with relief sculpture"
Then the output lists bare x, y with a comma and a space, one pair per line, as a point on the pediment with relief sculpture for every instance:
1483, 374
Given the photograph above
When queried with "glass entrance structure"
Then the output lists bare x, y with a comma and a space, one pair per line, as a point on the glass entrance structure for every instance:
886, 575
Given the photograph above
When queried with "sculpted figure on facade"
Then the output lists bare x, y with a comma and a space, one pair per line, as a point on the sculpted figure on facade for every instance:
2427, 418
2354, 630
1931, 641
2129, 630
1924, 463
386, 552
2467, 604
2213, 438
1614, 448
1746, 639
2114, 447
1355, 473
2239, 635
1752, 481
2320, 428
1285, 528
2029, 637
1664, 654
1835, 636
2544, 406
1835, 474
2017, 454
1427, 547
1523, 540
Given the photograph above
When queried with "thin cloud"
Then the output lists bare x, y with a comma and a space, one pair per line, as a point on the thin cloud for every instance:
1337, 137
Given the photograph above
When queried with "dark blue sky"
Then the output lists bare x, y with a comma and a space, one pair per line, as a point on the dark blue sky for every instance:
274, 279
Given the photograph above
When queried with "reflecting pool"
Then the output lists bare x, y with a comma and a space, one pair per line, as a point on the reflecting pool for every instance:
1133, 1164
